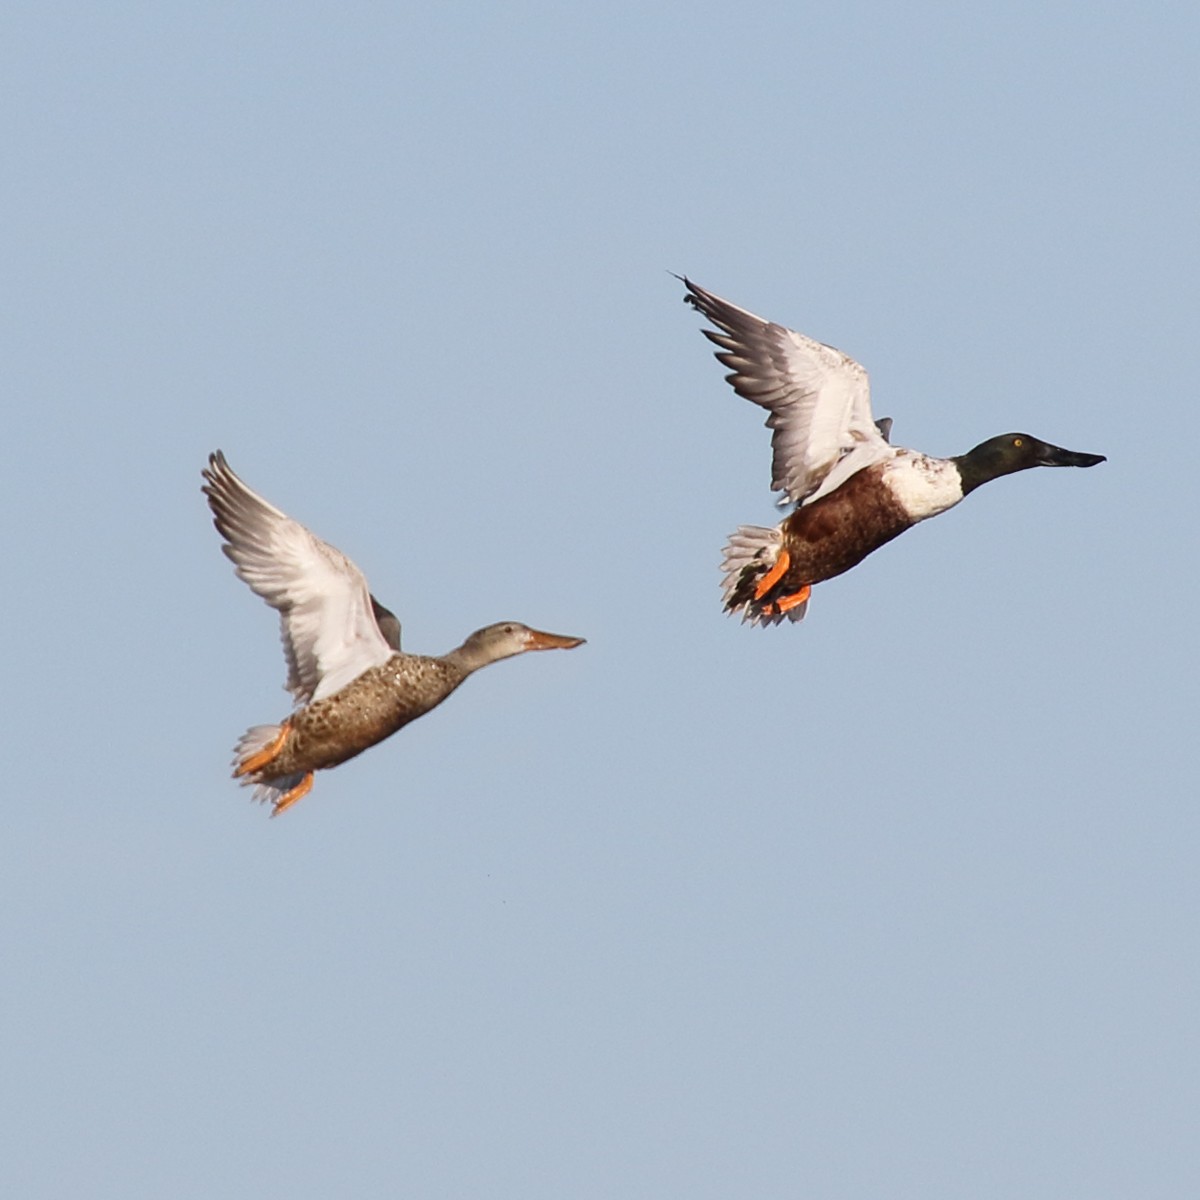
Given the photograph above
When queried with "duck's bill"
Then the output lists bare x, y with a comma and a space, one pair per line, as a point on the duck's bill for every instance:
552, 641
1056, 456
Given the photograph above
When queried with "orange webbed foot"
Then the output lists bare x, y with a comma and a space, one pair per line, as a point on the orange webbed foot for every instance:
297, 793
260, 758
787, 603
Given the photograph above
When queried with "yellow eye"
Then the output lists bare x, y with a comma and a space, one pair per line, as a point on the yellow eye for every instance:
1017, 442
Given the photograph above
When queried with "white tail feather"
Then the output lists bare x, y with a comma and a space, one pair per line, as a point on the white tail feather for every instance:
755, 547
251, 742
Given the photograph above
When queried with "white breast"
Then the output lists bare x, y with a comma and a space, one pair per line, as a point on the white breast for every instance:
923, 486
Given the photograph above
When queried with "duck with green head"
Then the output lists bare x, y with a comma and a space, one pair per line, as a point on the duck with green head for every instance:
852, 489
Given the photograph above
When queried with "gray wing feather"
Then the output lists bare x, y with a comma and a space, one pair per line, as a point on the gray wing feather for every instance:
389, 624
817, 398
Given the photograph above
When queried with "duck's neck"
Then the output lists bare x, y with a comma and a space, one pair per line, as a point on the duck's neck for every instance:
980, 466
468, 658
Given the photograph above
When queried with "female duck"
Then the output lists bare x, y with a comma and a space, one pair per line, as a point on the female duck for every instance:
352, 684
852, 489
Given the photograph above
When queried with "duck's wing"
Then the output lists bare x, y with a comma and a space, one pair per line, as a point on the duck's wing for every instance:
818, 399
330, 632
389, 624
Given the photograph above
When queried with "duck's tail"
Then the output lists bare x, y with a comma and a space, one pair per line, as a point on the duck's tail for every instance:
254, 750
748, 562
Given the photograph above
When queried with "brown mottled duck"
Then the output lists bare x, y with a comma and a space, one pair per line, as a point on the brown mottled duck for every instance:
352, 684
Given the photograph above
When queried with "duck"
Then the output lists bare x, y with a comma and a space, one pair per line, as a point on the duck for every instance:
849, 488
351, 684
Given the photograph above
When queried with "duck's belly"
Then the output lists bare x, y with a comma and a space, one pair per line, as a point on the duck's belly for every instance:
367, 710
838, 531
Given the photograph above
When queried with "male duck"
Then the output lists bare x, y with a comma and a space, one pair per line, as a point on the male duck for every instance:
352, 684
852, 489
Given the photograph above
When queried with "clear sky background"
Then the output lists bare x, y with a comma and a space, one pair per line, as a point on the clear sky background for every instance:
901, 902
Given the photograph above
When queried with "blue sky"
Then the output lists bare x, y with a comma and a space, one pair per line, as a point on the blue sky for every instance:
899, 902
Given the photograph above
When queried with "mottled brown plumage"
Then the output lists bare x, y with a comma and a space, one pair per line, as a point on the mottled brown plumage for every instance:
352, 683
372, 707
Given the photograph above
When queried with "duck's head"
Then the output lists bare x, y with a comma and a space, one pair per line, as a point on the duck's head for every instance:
1015, 452
506, 638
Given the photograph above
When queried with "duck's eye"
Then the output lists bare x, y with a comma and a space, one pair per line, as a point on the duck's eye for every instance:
1018, 441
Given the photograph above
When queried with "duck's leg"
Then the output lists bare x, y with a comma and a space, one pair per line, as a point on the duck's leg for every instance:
260, 758
774, 575
771, 580
297, 793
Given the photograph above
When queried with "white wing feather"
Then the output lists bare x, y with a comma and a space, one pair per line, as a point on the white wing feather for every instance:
329, 632
818, 399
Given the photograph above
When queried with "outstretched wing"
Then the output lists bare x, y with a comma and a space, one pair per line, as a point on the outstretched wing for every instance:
328, 626
817, 398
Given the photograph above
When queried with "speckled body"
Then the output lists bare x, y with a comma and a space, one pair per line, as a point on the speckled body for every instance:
367, 710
